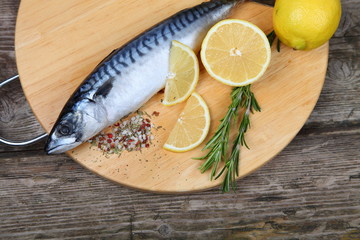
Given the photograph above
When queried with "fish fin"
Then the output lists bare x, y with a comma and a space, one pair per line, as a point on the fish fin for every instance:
104, 90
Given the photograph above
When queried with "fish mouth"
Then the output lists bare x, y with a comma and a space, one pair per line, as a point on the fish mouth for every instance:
59, 148
54, 148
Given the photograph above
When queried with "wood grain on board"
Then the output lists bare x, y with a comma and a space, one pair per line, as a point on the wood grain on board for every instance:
308, 191
66, 48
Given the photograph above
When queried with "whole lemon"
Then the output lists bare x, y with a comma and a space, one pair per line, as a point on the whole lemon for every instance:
306, 24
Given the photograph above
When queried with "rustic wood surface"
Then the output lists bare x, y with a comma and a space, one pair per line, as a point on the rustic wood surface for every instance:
310, 191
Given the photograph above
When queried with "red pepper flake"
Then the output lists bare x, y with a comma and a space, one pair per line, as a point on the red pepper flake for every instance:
131, 134
142, 126
155, 113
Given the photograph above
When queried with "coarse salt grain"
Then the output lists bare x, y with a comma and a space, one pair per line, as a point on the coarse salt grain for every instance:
130, 135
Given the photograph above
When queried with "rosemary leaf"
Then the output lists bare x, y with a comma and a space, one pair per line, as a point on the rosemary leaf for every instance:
278, 45
218, 144
271, 37
242, 98
231, 168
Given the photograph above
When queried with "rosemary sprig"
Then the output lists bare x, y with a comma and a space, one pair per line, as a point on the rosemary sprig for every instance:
218, 144
231, 167
243, 98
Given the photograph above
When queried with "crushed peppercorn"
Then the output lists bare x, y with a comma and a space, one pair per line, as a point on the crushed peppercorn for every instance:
128, 135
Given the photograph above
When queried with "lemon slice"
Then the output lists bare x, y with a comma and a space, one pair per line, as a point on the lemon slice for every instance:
191, 127
183, 74
235, 52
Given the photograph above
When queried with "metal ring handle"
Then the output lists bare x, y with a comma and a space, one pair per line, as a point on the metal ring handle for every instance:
23, 143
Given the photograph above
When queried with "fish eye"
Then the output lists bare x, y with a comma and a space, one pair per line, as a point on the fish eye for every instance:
65, 129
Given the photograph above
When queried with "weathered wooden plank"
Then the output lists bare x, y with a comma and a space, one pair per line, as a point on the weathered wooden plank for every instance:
349, 24
309, 191
339, 100
16, 119
17, 122
8, 10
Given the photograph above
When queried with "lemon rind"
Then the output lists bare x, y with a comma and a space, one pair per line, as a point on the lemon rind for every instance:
221, 79
196, 79
202, 102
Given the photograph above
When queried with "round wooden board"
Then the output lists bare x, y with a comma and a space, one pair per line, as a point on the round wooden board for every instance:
59, 42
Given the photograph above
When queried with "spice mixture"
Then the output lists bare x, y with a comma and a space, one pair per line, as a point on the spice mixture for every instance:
131, 135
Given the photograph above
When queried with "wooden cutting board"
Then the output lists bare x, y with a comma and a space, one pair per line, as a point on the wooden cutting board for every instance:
59, 42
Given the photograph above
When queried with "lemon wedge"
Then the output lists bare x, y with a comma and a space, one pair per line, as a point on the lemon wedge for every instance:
183, 74
191, 127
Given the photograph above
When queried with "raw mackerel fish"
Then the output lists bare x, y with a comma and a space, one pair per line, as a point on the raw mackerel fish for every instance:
130, 75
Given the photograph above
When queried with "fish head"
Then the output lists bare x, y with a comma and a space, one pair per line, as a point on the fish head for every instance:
75, 127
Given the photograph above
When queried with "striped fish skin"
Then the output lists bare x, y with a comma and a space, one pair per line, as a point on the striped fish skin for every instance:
130, 76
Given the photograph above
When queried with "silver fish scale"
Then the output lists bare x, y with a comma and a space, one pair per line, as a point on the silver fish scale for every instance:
119, 60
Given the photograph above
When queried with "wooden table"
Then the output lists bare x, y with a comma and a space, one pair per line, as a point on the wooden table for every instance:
310, 191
